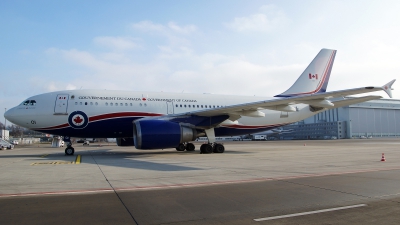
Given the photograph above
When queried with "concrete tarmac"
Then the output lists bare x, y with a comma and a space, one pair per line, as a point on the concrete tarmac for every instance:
248, 184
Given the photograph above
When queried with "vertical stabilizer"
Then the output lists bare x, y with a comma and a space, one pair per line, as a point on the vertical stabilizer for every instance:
316, 76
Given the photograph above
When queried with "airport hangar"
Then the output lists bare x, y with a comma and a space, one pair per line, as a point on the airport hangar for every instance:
372, 119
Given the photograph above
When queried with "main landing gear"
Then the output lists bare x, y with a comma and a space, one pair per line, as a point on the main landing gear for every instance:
188, 147
210, 148
204, 149
69, 150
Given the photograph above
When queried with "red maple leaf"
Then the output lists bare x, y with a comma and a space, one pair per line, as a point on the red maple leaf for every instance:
144, 99
78, 120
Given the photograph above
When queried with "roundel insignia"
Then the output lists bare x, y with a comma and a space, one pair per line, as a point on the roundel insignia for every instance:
78, 120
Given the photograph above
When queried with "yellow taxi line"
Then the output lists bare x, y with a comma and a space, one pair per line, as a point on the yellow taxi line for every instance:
78, 159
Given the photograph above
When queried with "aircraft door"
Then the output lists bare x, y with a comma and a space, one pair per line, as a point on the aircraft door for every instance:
170, 107
61, 104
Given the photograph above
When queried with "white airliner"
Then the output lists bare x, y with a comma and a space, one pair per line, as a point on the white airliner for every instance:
154, 120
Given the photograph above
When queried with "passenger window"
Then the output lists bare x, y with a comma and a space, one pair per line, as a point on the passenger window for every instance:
126, 104
80, 103
201, 106
76, 103
131, 104
116, 104
96, 103
106, 103
85, 103
91, 103
121, 104
111, 104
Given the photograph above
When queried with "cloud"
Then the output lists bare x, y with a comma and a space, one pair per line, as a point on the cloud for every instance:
268, 19
116, 43
148, 26
170, 29
183, 30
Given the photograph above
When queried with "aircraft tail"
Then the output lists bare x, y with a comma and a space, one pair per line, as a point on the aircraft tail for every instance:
316, 76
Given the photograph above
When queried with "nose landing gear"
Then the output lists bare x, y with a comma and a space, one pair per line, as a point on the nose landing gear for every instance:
69, 150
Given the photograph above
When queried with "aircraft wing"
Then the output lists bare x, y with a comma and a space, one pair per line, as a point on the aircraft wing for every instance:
284, 104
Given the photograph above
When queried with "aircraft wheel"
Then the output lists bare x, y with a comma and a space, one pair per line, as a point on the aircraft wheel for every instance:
218, 148
69, 151
190, 147
181, 147
206, 148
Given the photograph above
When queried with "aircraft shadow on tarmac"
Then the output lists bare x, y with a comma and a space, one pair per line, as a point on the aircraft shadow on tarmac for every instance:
124, 159
104, 157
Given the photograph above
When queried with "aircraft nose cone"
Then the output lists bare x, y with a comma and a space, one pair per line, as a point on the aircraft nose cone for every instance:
9, 115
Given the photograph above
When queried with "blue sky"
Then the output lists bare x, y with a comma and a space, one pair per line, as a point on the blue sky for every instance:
225, 47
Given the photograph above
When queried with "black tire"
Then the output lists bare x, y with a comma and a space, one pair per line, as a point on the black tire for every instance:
218, 148
180, 148
206, 148
190, 147
69, 151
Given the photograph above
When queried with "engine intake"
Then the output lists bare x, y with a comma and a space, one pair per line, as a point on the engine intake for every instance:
160, 134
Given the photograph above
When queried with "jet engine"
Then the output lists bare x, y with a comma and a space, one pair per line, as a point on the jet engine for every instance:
160, 134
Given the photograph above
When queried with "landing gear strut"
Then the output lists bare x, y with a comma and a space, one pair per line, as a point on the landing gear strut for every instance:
69, 150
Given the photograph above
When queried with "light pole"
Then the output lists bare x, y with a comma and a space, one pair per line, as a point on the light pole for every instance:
5, 125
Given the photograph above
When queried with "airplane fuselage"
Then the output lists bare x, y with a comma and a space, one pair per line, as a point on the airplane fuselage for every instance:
110, 114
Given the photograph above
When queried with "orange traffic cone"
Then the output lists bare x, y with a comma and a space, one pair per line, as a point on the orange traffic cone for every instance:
383, 157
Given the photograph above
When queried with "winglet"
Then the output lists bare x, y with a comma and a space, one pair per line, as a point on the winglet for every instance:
388, 88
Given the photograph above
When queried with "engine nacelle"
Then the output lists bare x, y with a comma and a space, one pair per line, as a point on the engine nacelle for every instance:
160, 134
125, 142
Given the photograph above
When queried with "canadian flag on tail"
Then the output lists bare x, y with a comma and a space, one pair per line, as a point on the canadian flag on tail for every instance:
313, 76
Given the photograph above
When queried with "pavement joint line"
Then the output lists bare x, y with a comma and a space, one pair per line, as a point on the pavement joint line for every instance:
116, 193
56, 193
44, 155
309, 213
138, 188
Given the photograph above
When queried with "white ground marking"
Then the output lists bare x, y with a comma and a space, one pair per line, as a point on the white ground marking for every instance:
308, 213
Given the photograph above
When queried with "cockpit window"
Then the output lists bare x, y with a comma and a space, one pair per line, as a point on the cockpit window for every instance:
29, 102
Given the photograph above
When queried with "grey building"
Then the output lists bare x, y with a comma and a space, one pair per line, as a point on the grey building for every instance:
372, 119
